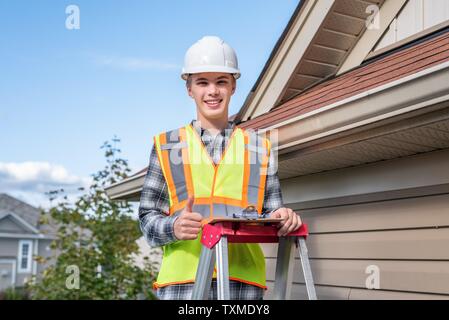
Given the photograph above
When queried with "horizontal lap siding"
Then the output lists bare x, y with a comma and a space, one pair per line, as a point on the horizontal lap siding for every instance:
343, 293
421, 244
411, 276
407, 239
430, 211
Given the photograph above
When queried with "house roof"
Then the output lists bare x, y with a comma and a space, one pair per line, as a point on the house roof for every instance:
390, 67
25, 211
3, 214
25, 226
315, 44
271, 56
28, 213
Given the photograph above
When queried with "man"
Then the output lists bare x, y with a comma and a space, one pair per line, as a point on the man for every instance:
206, 169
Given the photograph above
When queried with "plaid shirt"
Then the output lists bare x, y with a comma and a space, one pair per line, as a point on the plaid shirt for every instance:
155, 223
237, 291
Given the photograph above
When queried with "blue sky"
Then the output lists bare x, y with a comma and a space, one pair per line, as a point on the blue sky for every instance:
64, 92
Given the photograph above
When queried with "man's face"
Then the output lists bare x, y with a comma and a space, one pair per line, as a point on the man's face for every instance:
212, 92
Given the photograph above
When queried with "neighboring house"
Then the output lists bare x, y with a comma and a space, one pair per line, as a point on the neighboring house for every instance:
362, 120
145, 251
21, 238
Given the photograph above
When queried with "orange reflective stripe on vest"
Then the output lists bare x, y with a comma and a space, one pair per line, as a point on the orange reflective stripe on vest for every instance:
221, 189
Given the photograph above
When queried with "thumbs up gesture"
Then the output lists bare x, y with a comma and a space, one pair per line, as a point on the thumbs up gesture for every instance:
188, 224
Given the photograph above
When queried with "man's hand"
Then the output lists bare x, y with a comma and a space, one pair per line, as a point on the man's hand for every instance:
291, 221
188, 224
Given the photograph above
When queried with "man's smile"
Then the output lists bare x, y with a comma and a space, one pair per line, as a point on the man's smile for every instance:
213, 103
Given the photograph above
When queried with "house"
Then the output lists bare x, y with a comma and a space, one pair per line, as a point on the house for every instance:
21, 238
357, 94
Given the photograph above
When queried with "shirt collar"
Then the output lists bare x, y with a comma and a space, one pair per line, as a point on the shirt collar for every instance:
225, 132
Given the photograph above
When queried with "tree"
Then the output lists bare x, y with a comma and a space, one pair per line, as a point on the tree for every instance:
95, 245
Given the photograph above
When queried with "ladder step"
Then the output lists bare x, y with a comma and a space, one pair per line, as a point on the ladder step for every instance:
215, 249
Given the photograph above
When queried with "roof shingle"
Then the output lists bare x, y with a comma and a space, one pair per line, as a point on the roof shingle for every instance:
389, 68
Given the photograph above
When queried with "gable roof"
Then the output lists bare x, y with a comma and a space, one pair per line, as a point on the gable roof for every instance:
19, 221
315, 44
269, 61
409, 60
25, 211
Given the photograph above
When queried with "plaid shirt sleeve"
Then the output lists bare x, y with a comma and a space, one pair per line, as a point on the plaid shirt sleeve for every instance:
157, 225
273, 194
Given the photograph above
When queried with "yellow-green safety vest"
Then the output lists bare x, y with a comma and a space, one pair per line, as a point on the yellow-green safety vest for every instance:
220, 190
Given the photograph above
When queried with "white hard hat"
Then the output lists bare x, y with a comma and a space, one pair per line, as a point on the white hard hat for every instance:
210, 54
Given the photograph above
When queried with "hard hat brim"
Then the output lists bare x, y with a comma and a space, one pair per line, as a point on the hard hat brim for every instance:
186, 71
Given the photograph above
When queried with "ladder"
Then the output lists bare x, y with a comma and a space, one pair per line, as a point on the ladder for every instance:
215, 238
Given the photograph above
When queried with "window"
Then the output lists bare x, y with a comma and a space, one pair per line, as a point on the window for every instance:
25, 255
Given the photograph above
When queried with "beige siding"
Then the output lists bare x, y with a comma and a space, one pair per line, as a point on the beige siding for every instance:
421, 244
407, 239
410, 276
430, 211
343, 293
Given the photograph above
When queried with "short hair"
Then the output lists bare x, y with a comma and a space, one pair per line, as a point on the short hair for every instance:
189, 80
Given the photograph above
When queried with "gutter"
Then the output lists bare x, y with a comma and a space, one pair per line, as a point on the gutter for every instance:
117, 190
379, 103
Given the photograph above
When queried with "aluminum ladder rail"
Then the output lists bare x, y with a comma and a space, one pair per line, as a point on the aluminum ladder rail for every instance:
215, 239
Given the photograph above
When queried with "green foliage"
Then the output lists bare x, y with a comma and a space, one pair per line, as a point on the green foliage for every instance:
14, 294
93, 255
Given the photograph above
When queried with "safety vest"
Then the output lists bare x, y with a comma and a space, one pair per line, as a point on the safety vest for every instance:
220, 190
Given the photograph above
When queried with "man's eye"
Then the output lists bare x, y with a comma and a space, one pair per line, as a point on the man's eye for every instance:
222, 82
201, 83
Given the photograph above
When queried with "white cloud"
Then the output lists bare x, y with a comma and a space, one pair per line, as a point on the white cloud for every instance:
30, 180
133, 63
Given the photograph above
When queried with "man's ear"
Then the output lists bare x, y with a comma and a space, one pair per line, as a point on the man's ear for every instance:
234, 86
189, 91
